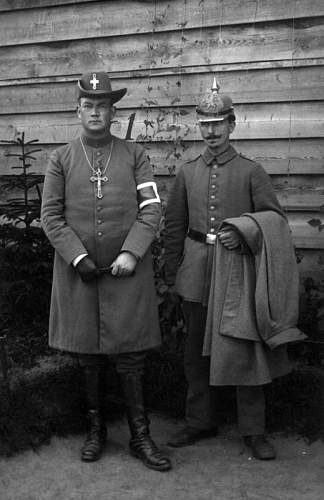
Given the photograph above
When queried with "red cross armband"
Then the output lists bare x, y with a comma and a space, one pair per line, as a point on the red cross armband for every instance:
147, 194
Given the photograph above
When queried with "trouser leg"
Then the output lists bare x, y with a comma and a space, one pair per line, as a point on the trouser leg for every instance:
199, 402
130, 366
251, 419
129, 362
93, 367
250, 410
91, 377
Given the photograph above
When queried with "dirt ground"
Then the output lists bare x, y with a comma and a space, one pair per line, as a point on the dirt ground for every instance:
220, 468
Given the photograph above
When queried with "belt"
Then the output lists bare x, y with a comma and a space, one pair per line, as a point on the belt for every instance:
209, 238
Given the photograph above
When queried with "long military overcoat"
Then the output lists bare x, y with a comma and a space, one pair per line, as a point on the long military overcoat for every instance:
112, 314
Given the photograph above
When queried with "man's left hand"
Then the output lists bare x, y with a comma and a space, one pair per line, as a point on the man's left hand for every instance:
229, 238
124, 264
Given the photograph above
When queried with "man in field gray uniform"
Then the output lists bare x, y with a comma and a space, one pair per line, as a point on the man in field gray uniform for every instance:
100, 212
217, 185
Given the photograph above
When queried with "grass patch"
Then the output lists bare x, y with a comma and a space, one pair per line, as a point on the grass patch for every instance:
48, 400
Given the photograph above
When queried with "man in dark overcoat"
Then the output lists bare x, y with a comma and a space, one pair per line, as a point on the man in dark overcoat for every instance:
217, 184
100, 211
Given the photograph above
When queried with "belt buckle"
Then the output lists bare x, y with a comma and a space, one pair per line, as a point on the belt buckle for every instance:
210, 239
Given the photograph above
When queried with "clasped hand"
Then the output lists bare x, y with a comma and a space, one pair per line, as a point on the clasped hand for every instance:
87, 269
123, 265
229, 238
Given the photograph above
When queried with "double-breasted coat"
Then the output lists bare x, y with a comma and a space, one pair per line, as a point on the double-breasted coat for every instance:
110, 315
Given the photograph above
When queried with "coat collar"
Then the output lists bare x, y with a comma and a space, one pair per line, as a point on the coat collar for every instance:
96, 143
222, 158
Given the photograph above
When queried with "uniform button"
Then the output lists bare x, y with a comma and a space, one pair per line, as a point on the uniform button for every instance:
214, 176
212, 230
212, 219
212, 196
99, 153
214, 166
213, 186
212, 207
99, 208
99, 221
100, 233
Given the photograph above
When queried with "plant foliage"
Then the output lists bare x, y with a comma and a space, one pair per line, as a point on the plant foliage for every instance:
26, 259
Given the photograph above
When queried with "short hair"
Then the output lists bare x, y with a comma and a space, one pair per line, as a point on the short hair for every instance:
96, 98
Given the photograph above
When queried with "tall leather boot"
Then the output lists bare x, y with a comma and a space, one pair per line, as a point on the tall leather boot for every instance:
141, 444
96, 438
97, 435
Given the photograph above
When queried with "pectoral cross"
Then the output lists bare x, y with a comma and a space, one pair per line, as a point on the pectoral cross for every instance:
98, 179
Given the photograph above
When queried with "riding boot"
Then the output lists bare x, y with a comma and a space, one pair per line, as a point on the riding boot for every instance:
96, 438
141, 444
97, 435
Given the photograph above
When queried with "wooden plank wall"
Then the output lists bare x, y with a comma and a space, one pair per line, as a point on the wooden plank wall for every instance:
267, 54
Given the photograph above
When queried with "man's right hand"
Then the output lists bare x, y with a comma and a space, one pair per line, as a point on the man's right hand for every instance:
87, 269
173, 296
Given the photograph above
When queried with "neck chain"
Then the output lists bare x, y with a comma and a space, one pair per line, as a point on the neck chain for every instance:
98, 175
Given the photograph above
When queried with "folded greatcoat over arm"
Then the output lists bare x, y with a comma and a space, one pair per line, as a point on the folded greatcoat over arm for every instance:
252, 310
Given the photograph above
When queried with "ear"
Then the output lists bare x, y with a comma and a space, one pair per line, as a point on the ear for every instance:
232, 127
78, 108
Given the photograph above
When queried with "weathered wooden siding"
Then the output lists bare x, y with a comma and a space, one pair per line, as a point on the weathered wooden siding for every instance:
267, 54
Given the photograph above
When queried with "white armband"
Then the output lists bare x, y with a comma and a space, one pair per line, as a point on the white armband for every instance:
147, 194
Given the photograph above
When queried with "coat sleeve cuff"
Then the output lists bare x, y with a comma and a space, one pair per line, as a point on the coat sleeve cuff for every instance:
77, 259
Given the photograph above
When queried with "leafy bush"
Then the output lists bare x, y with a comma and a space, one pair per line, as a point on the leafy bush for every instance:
25, 261
26, 276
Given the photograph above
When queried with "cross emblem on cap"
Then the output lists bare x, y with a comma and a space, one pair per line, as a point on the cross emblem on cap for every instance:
94, 81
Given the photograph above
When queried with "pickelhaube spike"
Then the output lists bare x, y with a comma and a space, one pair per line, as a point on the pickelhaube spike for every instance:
215, 87
214, 106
